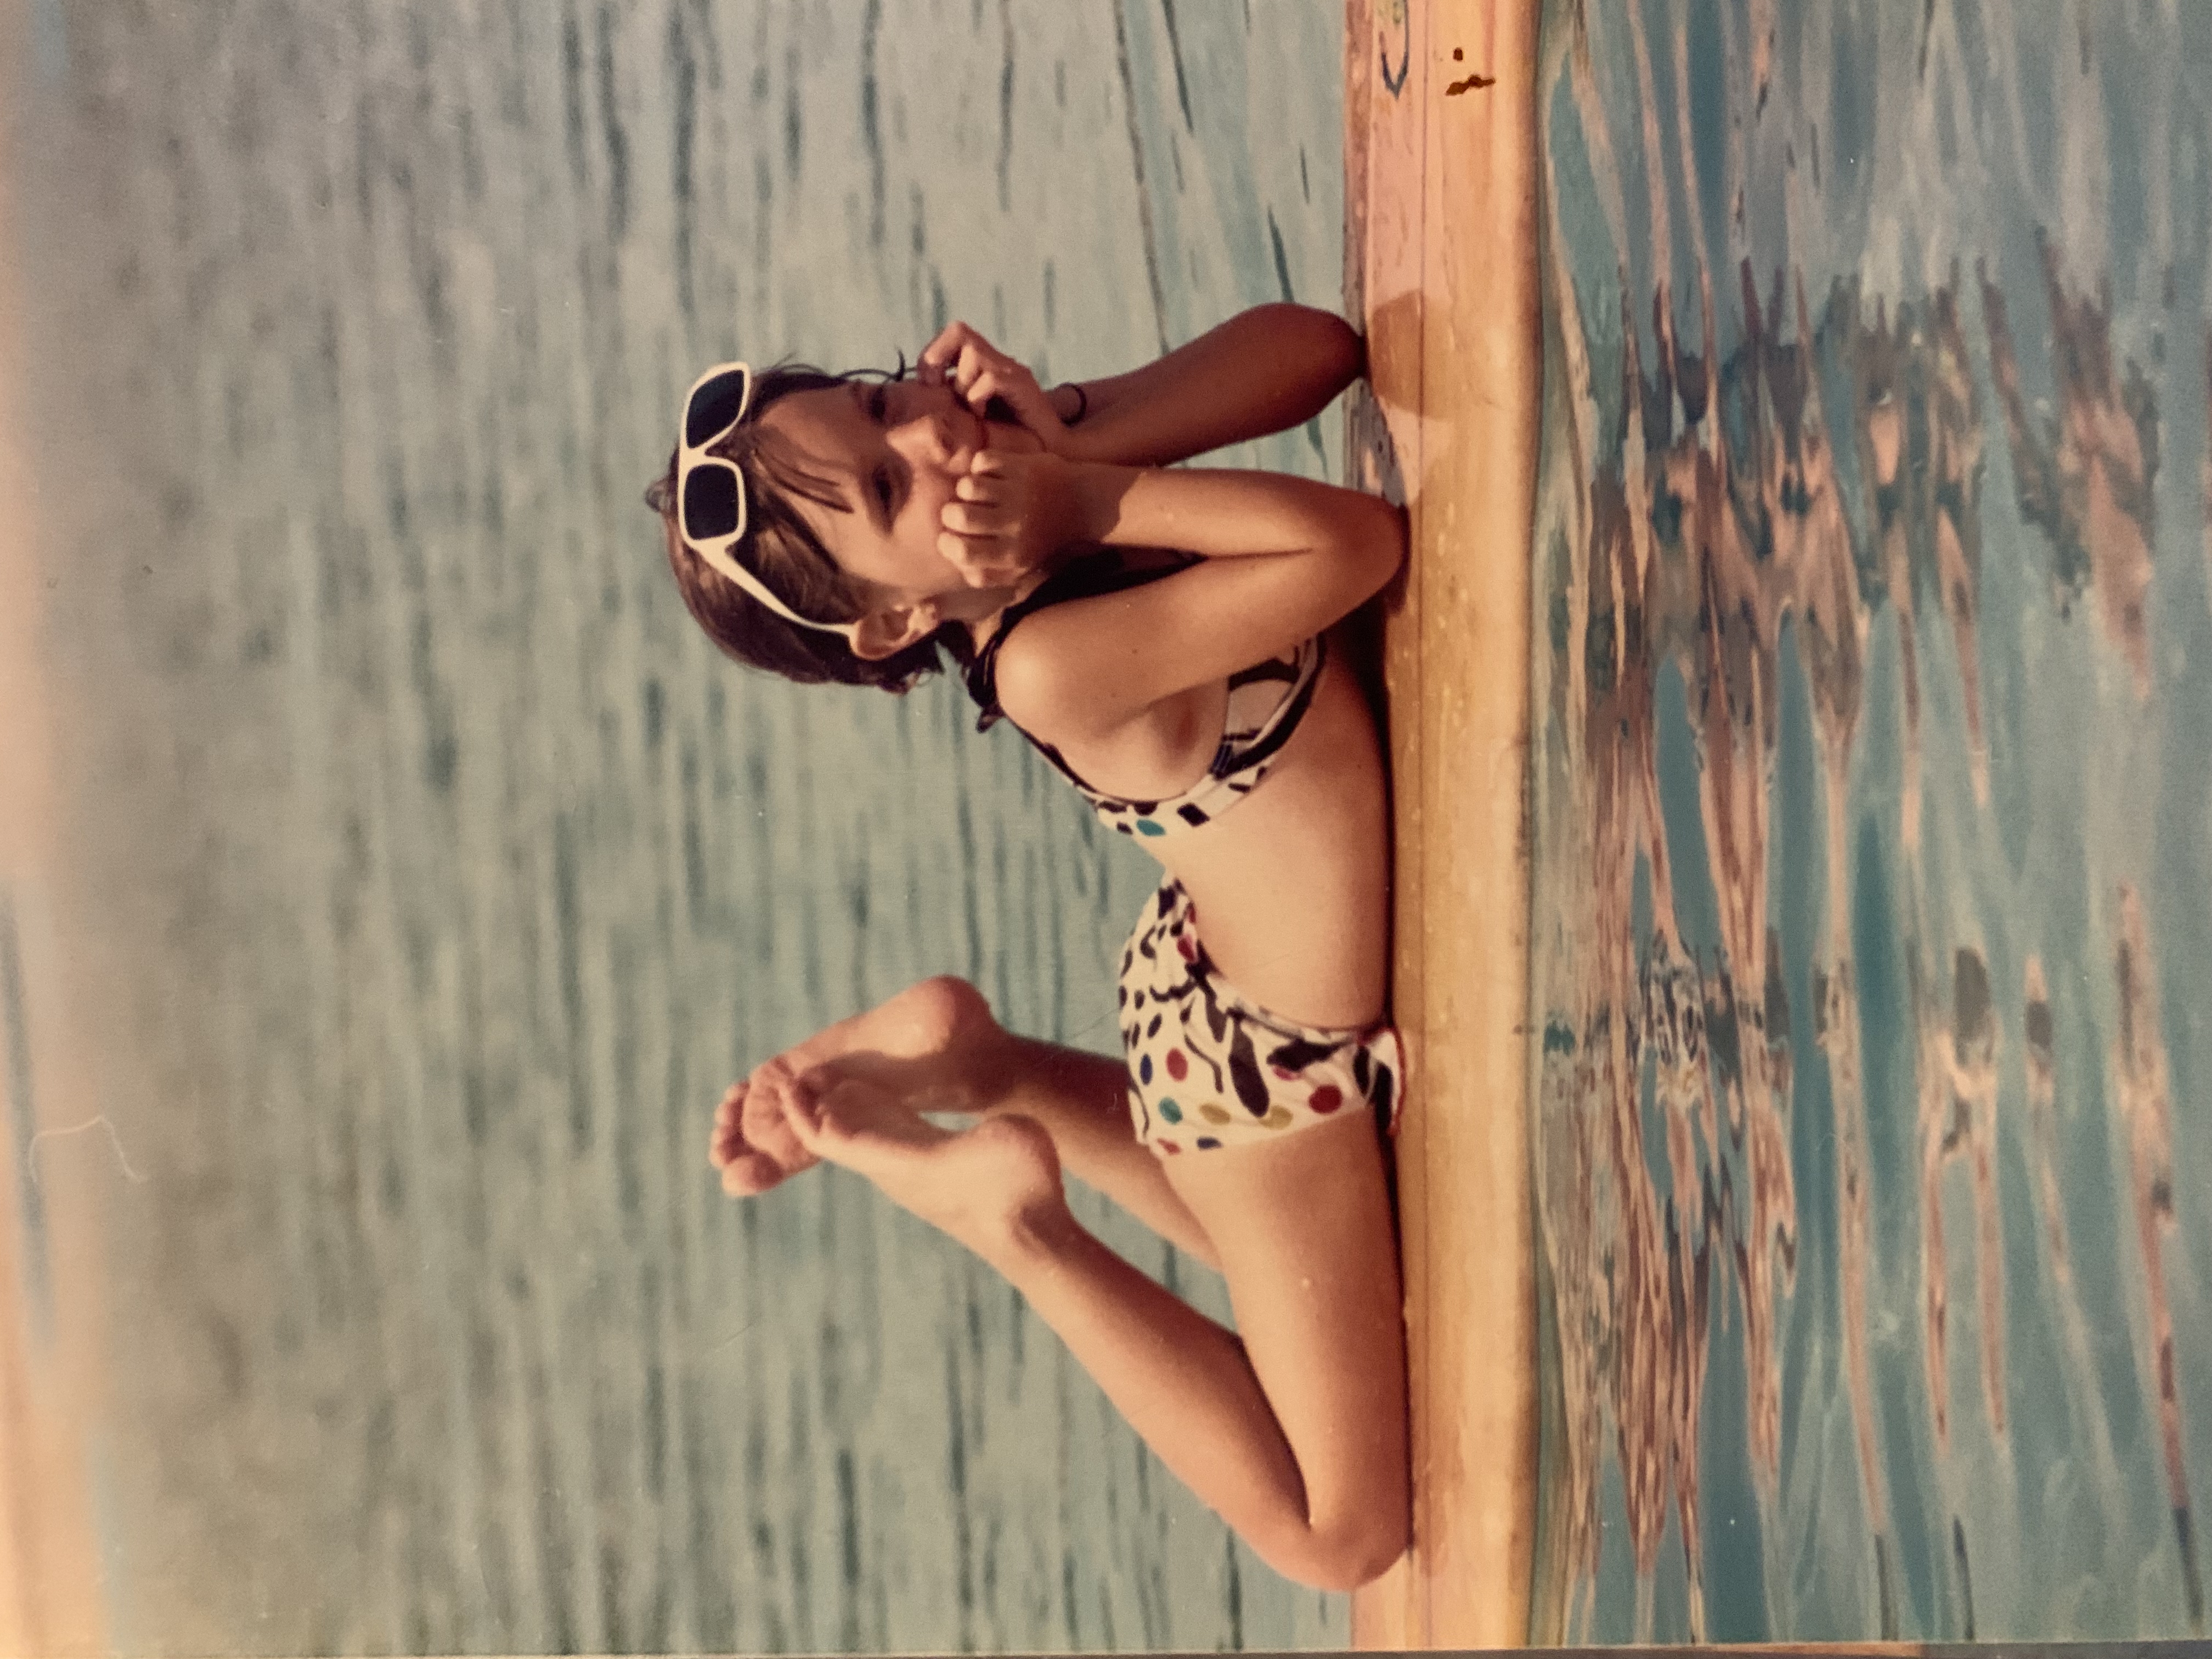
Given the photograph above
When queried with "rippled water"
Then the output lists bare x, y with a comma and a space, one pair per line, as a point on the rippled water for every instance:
434, 875
1873, 831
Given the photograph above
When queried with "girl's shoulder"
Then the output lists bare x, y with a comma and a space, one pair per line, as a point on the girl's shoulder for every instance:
1001, 661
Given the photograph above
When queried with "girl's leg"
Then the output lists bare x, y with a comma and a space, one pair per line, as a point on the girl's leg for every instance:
1292, 1429
935, 1047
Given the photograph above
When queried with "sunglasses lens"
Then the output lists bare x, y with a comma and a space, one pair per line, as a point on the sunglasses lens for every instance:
710, 503
713, 407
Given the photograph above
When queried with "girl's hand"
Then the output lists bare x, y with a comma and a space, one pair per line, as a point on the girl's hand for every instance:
979, 372
1015, 512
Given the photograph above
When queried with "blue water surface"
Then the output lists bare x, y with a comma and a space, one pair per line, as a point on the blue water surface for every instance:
429, 876
1872, 832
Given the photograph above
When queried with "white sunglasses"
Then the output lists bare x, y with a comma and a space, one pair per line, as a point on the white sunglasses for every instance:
710, 492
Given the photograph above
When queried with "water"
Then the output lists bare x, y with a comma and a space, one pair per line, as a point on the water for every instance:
1872, 833
428, 875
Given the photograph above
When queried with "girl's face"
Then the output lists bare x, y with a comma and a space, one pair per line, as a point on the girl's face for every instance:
895, 453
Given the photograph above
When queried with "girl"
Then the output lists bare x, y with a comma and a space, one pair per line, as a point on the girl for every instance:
851, 528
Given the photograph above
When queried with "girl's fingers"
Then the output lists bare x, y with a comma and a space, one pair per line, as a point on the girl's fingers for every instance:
979, 372
957, 552
1017, 390
941, 346
995, 380
972, 368
982, 561
983, 388
979, 520
941, 353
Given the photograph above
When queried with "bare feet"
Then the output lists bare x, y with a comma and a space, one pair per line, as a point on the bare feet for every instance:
923, 1044
982, 1186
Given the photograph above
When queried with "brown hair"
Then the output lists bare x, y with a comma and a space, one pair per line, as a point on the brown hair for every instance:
782, 549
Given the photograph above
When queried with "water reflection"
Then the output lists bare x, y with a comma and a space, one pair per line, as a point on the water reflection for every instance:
1771, 762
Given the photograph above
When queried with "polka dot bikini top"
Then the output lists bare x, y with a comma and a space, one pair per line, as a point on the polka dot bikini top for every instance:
1266, 703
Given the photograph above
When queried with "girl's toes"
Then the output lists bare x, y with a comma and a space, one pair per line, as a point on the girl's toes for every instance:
750, 1174
752, 1145
763, 1121
799, 1118
723, 1142
841, 1118
728, 1147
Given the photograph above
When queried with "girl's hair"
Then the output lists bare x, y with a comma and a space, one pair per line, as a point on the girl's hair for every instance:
783, 549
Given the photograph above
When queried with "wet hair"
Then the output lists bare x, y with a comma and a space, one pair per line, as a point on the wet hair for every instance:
782, 549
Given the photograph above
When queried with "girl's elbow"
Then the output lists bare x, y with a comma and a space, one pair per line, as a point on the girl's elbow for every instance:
1344, 1557
1340, 349
1383, 541
1338, 343
1328, 350
1359, 1561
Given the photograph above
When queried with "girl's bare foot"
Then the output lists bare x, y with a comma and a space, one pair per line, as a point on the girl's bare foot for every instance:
922, 1045
980, 1186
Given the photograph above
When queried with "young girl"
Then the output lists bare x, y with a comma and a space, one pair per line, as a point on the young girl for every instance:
1162, 637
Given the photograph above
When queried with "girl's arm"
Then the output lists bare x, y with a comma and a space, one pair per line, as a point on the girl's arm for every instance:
1282, 559
1263, 371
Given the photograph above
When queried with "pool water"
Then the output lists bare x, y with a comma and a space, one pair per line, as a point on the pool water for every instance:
428, 876
1873, 832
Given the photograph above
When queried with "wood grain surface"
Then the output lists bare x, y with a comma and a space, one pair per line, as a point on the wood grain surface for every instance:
1440, 209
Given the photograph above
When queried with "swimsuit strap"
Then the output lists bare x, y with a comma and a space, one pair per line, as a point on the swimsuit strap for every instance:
1087, 577
1253, 728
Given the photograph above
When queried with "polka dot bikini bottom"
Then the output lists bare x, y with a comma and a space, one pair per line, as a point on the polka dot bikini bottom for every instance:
1209, 1069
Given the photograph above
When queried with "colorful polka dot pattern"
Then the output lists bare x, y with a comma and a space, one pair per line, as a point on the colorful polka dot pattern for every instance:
1210, 1069
1266, 703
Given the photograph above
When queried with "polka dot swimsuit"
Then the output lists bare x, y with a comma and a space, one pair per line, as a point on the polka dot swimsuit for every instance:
1266, 703
1209, 1068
